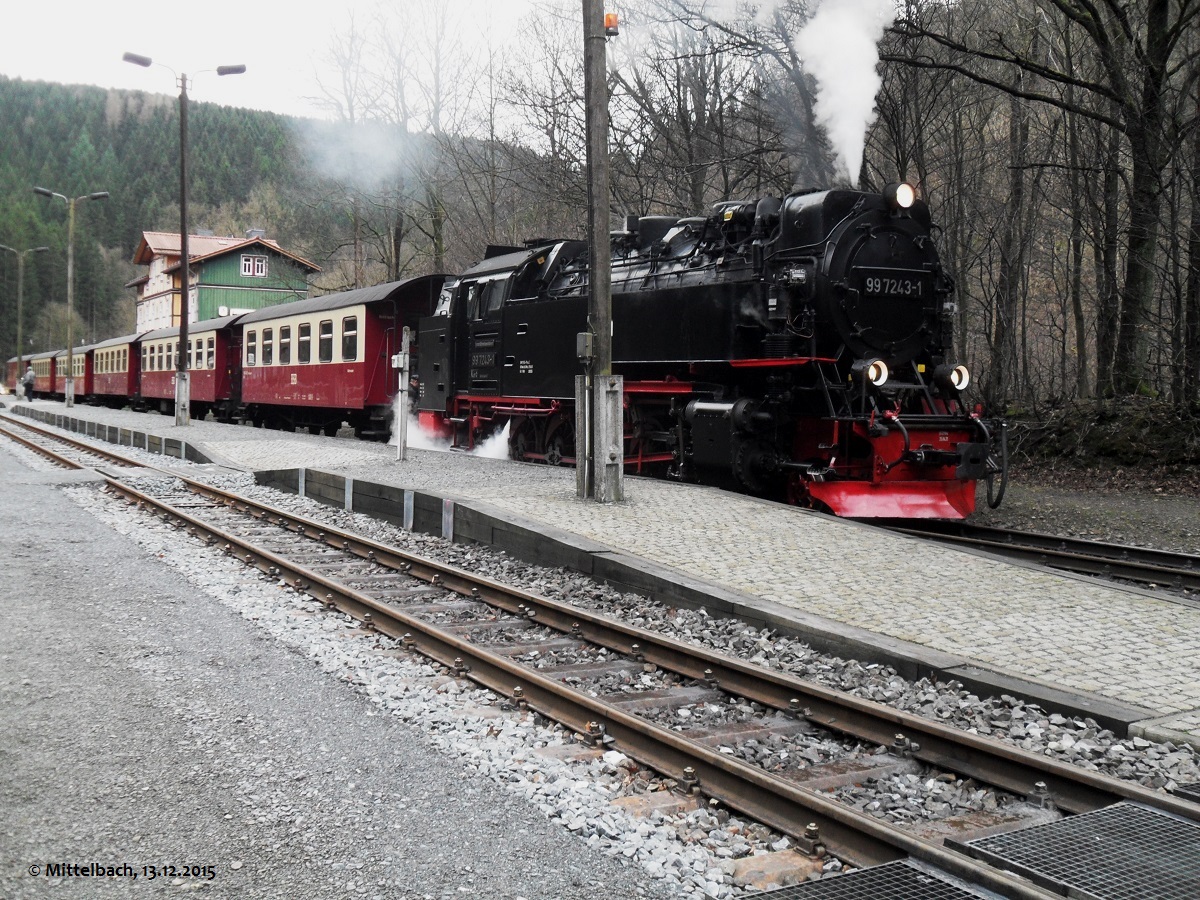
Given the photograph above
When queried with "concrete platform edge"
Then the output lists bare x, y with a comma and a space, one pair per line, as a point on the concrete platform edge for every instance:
535, 542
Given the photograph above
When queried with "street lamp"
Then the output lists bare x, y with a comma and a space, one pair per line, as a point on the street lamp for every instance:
69, 377
21, 298
182, 392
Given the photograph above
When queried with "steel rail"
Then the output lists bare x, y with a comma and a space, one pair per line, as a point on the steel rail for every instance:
1140, 564
40, 450
990, 761
853, 836
993, 762
857, 838
107, 455
1002, 765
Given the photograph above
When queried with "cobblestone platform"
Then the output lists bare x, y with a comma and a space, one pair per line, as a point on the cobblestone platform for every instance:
1120, 654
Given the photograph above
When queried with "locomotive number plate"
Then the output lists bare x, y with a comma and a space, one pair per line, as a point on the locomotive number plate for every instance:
894, 283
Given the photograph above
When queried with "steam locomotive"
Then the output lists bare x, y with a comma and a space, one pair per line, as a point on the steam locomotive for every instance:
794, 347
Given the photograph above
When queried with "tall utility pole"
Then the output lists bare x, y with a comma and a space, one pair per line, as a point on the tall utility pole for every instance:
599, 430
183, 355
21, 301
69, 375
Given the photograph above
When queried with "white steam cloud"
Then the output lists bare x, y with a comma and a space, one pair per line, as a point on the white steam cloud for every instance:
840, 48
494, 447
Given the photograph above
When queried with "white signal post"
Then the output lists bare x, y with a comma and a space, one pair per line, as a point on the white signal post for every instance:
400, 362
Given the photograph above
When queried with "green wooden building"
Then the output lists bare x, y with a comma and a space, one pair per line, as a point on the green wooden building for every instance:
228, 275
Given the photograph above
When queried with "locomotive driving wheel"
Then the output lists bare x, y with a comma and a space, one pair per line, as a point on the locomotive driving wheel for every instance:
524, 439
560, 440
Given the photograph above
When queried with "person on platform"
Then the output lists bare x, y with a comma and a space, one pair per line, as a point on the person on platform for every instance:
29, 379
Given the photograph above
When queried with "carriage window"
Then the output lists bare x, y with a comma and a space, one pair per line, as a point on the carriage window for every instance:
171, 358
158, 361
268, 346
199, 353
252, 348
304, 344
325, 341
350, 339
285, 345
186, 350
145, 358
212, 353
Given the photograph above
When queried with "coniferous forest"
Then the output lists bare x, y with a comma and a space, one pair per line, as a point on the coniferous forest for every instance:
1056, 141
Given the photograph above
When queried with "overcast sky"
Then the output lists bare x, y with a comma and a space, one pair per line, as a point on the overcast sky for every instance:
282, 45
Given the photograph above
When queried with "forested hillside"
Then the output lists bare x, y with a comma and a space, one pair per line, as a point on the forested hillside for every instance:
1056, 141
77, 140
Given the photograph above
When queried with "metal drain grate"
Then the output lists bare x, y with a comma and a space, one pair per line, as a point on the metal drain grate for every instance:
1188, 791
892, 881
1121, 852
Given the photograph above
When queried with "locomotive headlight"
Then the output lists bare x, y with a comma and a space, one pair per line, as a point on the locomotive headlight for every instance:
956, 377
900, 195
873, 370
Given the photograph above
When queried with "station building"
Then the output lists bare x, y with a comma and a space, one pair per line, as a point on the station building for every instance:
229, 275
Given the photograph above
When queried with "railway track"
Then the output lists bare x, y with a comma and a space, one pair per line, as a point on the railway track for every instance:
1140, 565
561, 662
59, 448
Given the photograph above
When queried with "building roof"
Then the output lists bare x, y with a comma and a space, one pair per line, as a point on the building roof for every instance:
203, 246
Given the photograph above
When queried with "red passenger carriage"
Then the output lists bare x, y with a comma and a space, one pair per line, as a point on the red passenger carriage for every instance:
43, 367
81, 364
211, 357
115, 365
325, 360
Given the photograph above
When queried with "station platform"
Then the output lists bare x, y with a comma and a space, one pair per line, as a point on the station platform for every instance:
1128, 659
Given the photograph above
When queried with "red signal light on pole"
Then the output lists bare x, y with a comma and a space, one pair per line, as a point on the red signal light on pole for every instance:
610, 25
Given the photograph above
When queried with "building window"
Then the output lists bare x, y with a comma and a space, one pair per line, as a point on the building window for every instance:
254, 266
325, 342
285, 345
251, 348
350, 339
212, 353
304, 344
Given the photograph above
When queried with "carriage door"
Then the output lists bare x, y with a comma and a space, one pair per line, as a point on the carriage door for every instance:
484, 300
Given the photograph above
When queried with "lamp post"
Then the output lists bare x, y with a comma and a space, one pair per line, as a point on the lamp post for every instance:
69, 376
183, 398
599, 445
21, 299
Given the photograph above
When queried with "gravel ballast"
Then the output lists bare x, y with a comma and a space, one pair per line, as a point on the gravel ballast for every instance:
143, 722
690, 853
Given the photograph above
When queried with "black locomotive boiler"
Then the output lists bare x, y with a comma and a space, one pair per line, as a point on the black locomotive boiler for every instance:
795, 346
